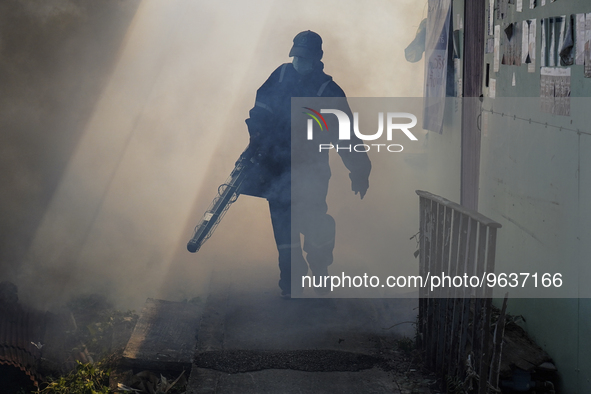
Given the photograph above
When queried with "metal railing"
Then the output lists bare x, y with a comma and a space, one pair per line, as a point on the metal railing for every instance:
455, 327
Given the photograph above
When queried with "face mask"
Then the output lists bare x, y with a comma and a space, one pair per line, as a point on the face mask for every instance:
302, 65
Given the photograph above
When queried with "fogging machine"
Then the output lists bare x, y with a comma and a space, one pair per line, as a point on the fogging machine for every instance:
228, 192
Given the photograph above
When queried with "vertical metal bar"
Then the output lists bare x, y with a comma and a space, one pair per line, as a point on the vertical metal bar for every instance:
444, 293
481, 256
474, 312
432, 231
421, 319
490, 256
479, 323
424, 267
436, 268
467, 292
436, 262
453, 262
487, 339
459, 310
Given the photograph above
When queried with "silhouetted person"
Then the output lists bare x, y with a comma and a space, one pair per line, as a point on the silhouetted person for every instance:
269, 126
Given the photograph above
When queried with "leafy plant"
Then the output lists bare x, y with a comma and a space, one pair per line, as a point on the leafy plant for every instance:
95, 320
454, 385
406, 345
86, 379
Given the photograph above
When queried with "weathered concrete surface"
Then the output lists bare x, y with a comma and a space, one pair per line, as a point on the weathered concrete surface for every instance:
285, 381
252, 341
164, 336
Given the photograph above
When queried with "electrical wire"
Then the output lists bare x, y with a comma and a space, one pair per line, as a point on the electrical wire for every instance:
530, 121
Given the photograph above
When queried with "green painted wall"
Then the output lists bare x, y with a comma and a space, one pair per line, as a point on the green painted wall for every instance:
536, 181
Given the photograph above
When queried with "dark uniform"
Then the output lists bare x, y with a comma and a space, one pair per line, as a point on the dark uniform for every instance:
269, 126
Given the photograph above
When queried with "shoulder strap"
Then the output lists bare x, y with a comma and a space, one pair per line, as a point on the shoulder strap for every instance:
282, 72
323, 86
320, 90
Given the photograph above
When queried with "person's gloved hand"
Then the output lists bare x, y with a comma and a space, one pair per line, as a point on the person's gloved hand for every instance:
249, 153
359, 183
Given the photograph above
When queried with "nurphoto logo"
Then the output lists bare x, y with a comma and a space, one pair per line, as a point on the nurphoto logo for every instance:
345, 129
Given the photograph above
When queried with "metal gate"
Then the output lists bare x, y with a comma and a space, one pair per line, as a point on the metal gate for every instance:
455, 327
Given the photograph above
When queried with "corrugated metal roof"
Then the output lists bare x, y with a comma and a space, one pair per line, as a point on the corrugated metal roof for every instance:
21, 331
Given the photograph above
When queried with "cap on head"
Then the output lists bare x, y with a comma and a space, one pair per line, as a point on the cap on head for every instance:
307, 44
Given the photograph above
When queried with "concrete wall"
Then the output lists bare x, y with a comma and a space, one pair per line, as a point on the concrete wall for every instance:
536, 181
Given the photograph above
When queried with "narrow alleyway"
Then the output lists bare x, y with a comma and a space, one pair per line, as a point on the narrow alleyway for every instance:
252, 341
